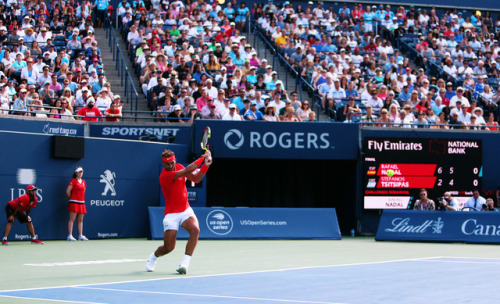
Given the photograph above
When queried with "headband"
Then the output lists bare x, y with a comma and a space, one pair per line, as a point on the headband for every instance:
168, 159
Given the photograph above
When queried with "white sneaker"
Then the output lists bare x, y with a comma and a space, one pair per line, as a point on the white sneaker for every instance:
182, 269
82, 238
151, 263
70, 238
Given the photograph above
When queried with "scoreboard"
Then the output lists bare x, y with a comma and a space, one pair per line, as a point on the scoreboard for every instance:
395, 169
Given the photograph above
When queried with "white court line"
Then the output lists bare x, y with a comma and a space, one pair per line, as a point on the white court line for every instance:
461, 262
77, 263
207, 295
51, 300
223, 274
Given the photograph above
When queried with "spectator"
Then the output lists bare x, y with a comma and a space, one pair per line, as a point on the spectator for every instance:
90, 112
424, 203
476, 201
448, 203
113, 113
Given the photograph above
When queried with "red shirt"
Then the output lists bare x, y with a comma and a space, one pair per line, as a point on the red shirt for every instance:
174, 190
90, 114
24, 202
109, 111
78, 191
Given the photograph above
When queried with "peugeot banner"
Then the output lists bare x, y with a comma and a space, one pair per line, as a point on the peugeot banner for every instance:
256, 223
440, 226
172, 133
288, 140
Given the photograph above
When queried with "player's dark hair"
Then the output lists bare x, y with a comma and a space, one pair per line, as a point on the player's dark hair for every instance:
167, 153
74, 173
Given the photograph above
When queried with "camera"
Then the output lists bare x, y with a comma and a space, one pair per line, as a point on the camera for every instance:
486, 207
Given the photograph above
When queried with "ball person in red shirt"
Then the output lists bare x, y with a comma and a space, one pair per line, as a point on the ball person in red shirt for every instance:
20, 208
177, 209
76, 207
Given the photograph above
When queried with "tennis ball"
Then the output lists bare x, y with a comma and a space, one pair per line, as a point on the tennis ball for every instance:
390, 172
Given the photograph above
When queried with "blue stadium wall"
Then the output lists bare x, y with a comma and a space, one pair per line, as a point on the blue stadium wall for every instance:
258, 164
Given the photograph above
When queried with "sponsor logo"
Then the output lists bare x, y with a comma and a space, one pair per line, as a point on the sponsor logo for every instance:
388, 145
192, 196
25, 177
219, 222
135, 132
402, 225
108, 179
236, 141
103, 235
472, 227
47, 129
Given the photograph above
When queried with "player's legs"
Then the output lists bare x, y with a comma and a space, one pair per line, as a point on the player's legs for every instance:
72, 217
8, 226
79, 220
192, 226
31, 229
169, 240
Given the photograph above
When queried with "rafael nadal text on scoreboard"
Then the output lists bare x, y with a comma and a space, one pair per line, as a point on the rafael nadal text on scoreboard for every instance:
438, 165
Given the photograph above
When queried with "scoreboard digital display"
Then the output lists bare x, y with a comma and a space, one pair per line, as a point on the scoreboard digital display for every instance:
395, 169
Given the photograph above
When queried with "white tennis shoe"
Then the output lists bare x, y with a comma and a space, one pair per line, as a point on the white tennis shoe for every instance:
82, 238
70, 238
182, 269
151, 263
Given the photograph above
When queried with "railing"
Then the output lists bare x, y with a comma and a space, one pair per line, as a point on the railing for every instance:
131, 96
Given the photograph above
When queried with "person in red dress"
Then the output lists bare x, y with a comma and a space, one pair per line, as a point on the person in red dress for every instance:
76, 207
177, 209
20, 208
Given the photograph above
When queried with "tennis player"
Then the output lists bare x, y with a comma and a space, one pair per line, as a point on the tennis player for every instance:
177, 209
20, 208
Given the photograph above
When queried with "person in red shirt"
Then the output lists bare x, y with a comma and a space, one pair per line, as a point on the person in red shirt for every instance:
76, 206
20, 208
113, 113
89, 112
177, 209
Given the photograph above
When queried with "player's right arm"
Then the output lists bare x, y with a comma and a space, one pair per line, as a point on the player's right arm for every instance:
191, 167
68, 190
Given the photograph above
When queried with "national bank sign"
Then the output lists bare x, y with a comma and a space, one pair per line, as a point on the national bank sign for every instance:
284, 140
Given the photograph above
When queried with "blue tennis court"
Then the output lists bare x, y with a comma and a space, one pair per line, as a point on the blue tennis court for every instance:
428, 280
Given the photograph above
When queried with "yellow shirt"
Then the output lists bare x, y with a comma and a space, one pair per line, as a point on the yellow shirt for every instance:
281, 40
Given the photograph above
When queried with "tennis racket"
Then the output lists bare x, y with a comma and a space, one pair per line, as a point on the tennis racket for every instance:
205, 139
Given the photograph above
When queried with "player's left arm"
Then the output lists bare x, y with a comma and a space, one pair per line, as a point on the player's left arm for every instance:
198, 176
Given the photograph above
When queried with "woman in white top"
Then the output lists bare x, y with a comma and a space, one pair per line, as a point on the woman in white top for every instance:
271, 114
303, 111
103, 101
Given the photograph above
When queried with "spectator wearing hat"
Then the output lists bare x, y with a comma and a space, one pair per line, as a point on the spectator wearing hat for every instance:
176, 115
459, 97
212, 111
232, 114
81, 100
20, 104
43, 37
103, 101
90, 112
20, 208
193, 114
253, 113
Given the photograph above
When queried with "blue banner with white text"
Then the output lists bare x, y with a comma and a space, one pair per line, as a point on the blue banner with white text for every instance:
49, 127
288, 140
257, 223
179, 134
439, 226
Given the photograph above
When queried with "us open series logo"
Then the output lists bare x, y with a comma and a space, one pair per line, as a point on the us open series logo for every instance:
219, 222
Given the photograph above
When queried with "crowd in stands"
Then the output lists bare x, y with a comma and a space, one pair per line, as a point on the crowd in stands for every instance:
194, 63
50, 62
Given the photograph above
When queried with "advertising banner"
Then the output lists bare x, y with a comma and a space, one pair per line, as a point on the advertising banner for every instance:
439, 226
257, 223
173, 133
290, 140
43, 127
121, 177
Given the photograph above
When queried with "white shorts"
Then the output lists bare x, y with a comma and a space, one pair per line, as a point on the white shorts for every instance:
172, 221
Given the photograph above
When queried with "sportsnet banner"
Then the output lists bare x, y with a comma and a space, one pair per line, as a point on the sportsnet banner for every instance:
179, 134
256, 223
439, 226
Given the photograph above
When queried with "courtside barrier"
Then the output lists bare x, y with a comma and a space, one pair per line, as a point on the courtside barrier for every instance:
121, 176
257, 223
439, 226
50, 127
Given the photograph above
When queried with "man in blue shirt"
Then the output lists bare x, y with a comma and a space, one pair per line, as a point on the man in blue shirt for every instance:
253, 113
102, 6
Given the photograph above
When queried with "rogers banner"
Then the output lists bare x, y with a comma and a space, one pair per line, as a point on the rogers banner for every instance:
441, 226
